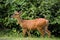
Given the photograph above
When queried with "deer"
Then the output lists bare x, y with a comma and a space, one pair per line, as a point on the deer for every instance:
40, 24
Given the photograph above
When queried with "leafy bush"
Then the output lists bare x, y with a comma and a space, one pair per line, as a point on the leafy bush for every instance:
31, 9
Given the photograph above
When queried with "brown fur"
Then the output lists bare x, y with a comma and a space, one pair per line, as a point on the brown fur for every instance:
39, 24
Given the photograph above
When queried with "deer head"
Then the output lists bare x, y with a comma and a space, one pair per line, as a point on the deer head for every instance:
16, 14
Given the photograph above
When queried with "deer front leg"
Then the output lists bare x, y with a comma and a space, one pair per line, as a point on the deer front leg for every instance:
29, 33
24, 32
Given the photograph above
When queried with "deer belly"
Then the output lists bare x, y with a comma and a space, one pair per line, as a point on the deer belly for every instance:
31, 27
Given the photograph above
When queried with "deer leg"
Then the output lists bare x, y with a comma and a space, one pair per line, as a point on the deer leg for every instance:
41, 31
24, 32
46, 29
29, 33
48, 32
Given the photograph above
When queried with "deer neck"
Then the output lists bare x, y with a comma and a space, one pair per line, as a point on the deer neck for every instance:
19, 20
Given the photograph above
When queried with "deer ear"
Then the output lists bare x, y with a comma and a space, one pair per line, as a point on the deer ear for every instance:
20, 12
16, 12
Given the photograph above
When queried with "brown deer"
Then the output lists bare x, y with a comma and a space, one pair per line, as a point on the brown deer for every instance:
40, 24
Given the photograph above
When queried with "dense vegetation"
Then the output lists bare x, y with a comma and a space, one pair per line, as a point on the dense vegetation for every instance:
31, 9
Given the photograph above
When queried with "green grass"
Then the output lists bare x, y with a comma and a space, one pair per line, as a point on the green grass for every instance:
27, 38
10, 35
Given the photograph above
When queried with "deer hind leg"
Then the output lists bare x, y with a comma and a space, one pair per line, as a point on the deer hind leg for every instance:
24, 32
48, 32
41, 31
46, 28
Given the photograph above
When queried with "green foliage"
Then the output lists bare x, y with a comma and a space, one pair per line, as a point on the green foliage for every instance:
31, 9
